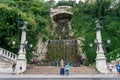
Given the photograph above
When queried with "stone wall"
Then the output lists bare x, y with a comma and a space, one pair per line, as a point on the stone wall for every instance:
41, 49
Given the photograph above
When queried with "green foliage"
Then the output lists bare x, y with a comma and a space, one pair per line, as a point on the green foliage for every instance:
85, 15
8, 25
6, 1
115, 54
66, 3
34, 12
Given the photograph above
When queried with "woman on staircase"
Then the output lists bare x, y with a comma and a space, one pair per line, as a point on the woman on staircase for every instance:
62, 72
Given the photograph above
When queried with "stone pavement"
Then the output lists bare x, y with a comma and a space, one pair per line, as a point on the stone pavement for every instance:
54, 76
52, 73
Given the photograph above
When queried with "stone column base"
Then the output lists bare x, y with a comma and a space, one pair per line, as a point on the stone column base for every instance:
21, 61
101, 65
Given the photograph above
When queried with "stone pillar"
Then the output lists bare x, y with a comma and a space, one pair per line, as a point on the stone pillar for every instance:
21, 60
100, 58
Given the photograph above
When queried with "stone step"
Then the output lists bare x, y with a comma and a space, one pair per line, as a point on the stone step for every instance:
56, 70
4, 63
5, 66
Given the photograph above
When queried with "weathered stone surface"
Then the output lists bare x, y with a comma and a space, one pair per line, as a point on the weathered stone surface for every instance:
41, 49
56, 70
5, 65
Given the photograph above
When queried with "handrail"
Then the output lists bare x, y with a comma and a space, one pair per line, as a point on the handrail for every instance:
7, 54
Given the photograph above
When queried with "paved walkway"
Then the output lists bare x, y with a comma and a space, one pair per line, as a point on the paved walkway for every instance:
53, 76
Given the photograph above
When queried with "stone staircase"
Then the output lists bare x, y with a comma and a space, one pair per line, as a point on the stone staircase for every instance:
56, 70
6, 60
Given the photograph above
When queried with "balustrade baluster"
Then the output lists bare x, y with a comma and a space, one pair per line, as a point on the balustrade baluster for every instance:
11, 56
8, 54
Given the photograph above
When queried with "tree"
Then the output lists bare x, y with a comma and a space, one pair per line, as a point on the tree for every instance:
36, 14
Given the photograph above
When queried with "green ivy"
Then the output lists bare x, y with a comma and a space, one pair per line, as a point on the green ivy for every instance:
34, 12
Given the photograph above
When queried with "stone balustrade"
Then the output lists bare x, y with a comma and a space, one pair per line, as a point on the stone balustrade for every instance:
7, 54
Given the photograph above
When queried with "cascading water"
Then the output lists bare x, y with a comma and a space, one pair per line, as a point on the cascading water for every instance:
64, 46
62, 49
